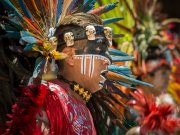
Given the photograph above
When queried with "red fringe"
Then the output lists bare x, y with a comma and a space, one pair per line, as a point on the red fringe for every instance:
23, 119
33, 99
59, 124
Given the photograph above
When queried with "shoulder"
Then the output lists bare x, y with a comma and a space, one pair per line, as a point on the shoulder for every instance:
55, 85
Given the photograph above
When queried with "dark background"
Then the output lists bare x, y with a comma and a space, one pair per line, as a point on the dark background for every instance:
172, 9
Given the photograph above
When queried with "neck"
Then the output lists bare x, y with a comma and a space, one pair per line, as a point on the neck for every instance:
78, 91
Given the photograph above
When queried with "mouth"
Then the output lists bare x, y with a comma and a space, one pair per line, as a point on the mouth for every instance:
101, 85
102, 75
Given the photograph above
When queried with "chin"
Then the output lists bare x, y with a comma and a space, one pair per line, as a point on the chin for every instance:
95, 88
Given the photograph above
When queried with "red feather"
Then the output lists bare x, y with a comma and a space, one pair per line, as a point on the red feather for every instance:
23, 119
153, 117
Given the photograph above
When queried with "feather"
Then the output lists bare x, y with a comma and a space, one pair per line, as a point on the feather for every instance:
12, 26
33, 28
124, 84
73, 7
104, 9
120, 70
150, 114
127, 73
10, 6
118, 77
88, 5
53, 5
12, 34
40, 17
31, 47
30, 39
24, 9
116, 52
121, 58
112, 88
66, 4
112, 20
58, 10
24, 21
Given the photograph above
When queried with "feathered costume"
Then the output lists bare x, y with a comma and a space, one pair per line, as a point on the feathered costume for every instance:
45, 107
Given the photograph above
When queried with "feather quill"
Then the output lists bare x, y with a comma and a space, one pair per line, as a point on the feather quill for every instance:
66, 4
118, 77
73, 7
104, 9
112, 88
122, 58
87, 6
112, 20
58, 10
24, 9
10, 6
116, 52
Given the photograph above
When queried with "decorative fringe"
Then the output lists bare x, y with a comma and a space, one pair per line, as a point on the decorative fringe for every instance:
57, 120
23, 119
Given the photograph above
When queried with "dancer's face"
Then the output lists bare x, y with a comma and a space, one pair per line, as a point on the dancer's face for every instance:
88, 62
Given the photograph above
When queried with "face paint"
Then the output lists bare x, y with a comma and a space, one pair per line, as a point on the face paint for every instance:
92, 66
92, 56
83, 64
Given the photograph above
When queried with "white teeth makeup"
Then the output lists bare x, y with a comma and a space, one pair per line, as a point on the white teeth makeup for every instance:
103, 77
100, 85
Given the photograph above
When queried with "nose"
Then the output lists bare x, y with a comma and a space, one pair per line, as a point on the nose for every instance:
106, 63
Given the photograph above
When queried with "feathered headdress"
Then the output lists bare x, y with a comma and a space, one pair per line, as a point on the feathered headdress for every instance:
37, 21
